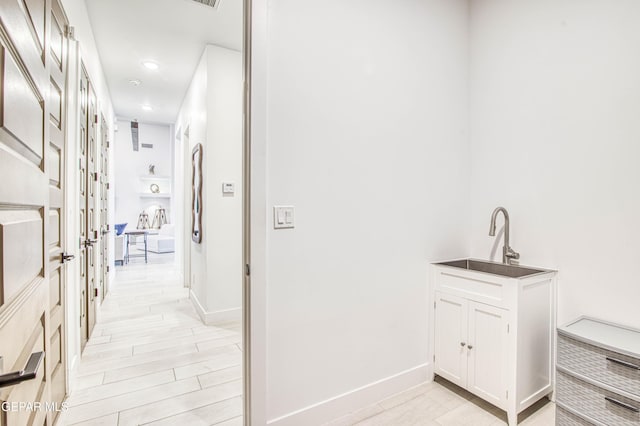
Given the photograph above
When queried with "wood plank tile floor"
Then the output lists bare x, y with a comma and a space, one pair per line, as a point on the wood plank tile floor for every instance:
150, 360
441, 403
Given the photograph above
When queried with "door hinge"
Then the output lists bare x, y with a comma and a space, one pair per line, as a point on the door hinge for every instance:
507, 328
95, 235
434, 304
108, 186
70, 32
95, 176
95, 292
507, 395
434, 358
108, 269
95, 118
108, 144
247, 270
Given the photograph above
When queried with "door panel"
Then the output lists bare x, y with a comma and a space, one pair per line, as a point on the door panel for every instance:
23, 120
451, 338
487, 356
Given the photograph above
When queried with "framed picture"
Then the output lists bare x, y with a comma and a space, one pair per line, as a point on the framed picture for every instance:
196, 194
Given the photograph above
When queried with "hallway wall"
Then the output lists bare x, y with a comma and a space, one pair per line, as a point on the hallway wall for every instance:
554, 108
131, 166
212, 111
366, 135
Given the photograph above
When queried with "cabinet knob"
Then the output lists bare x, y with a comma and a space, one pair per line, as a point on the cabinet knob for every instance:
470, 347
462, 344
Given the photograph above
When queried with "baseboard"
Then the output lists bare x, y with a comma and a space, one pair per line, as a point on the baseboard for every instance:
210, 318
348, 402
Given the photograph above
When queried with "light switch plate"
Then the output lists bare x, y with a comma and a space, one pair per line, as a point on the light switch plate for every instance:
228, 187
283, 217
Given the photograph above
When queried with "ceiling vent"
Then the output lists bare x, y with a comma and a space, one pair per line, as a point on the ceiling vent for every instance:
212, 3
134, 135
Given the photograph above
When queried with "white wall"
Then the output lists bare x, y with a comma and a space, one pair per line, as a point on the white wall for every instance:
83, 48
366, 120
555, 106
212, 112
131, 165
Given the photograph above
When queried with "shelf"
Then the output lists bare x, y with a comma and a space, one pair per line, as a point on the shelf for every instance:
152, 195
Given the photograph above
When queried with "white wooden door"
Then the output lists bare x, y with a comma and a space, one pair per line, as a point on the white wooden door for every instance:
104, 208
32, 145
84, 179
93, 230
89, 232
451, 338
57, 165
488, 353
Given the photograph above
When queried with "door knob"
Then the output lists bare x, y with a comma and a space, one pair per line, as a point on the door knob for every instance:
67, 257
30, 371
89, 242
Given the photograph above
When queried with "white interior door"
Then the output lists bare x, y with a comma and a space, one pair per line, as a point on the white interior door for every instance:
32, 146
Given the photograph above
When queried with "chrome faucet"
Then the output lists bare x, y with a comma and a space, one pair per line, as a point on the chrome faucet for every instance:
508, 254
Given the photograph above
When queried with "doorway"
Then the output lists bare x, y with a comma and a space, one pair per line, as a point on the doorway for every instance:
146, 321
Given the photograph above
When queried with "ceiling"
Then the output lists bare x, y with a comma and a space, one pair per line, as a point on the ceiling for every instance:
171, 33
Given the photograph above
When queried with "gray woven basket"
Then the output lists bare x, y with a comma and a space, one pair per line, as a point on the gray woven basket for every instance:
585, 398
591, 361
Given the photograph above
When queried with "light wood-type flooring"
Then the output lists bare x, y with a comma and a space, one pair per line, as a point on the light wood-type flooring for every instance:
441, 403
150, 359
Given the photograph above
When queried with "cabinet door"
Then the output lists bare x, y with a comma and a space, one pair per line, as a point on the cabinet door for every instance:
488, 353
451, 338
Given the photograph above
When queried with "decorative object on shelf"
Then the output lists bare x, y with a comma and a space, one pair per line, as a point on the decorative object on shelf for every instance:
143, 221
159, 219
152, 169
120, 228
196, 194
155, 189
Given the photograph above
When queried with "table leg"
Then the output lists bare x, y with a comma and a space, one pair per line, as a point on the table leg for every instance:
126, 256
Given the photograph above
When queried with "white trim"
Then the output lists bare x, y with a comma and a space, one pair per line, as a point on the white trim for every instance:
355, 399
209, 318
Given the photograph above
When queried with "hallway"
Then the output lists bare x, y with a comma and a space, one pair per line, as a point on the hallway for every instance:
150, 359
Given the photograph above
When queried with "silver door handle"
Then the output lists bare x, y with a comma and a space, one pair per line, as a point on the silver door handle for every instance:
30, 371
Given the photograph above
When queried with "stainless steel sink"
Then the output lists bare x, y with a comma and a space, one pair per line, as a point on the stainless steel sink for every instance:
511, 271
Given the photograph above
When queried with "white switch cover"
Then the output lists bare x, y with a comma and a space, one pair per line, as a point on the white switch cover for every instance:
283, 217
228, 187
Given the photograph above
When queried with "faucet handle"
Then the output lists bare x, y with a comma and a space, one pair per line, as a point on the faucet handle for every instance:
511, 254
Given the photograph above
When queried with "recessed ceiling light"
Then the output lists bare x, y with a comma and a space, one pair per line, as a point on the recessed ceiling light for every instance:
150, 65
135, 82
147, 107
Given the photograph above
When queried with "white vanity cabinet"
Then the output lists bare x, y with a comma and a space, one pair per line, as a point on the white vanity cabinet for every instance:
493, 334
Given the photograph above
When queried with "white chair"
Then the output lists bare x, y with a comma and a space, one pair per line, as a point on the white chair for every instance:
164, 241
